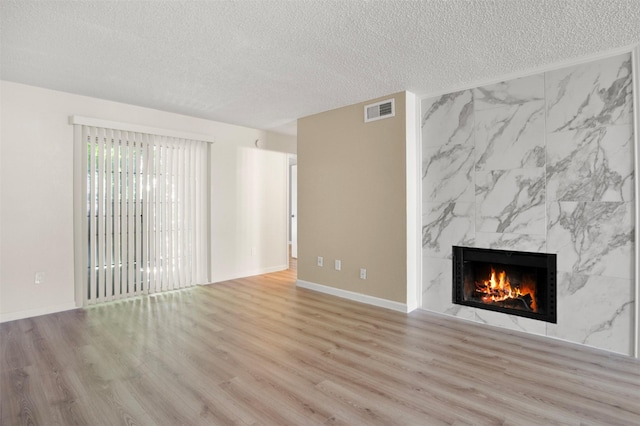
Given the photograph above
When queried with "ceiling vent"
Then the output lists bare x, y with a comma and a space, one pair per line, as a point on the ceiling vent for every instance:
380, 110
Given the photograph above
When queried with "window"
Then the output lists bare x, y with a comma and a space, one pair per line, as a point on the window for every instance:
144, 213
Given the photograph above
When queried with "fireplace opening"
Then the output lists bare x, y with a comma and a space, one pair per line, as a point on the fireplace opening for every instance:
512, 282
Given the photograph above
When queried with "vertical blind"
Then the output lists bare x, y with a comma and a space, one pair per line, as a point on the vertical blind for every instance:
145, 213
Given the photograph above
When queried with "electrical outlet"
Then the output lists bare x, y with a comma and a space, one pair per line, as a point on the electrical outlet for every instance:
39, 278
338, 264
320, 261
363, 274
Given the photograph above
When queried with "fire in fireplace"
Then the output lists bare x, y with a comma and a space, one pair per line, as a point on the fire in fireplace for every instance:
517, 283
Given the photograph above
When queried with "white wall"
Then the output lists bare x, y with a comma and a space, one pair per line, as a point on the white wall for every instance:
249, 211
36, 198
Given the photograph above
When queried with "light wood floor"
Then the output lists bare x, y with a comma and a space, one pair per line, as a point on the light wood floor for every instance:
261, 351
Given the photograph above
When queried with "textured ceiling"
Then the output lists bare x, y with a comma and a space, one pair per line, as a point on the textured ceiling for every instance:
264, 64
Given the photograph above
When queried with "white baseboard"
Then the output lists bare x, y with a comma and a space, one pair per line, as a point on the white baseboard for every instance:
12, 316
246, 274
357, 297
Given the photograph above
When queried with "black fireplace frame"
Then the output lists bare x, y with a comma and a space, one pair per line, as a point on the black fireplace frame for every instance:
546, 261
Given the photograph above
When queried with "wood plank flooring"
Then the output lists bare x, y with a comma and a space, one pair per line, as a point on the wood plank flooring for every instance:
259, 351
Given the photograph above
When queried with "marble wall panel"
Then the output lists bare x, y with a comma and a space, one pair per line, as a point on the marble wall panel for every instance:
437, 293
595, 310
445, 225
511, 322
506, 241
511, 201
591, 164
542, 164
447, 174
594, 238
510, 137
590, 95
511, 92
448, 120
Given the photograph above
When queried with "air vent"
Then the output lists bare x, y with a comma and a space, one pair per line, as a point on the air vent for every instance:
379, 110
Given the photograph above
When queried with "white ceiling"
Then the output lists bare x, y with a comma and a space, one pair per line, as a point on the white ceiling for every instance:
264, 64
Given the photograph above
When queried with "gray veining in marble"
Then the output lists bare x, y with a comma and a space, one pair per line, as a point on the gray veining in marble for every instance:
511, 201
448, 120
593, 238
448, 174
439, 275
510, 92
446, 225
437, 292
510, 137
594, 310
590, 95
591, 164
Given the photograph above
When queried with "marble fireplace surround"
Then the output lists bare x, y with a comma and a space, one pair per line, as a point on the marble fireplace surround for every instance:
542, 163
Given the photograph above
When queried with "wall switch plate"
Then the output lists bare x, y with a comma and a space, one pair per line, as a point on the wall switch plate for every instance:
338, 265
39, 278
320, 261
363, 274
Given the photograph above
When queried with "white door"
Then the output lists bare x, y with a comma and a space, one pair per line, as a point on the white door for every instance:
294, 211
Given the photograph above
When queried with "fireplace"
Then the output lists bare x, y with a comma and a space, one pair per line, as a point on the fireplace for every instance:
512, 282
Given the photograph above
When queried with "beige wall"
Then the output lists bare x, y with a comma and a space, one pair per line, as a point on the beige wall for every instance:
352, 200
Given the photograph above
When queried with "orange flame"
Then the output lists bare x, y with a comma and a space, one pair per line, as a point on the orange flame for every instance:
498, 288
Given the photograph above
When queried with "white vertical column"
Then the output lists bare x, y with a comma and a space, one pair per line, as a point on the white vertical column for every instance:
165, 191
190, 211
144, 203
124, 223
175, 224
203, 220
635, 66
155, 200
170, 200
181, 223
108, 198
81, 213
158, 213
138, 262
176, 214
151, 216
100, 218
130, 203
118, 153
413, 156
91, 215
